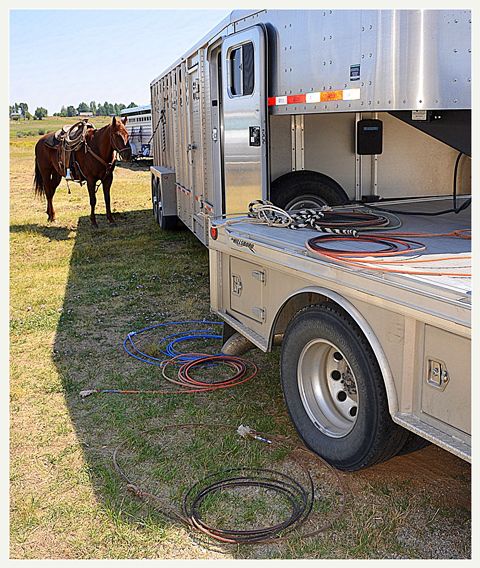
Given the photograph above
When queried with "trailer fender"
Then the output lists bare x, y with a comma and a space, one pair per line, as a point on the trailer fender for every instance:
311, 295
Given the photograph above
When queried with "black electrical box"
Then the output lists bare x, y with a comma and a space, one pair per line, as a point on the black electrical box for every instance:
369, 136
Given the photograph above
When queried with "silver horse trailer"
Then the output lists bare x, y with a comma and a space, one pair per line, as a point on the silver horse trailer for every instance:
342, 109
139, 128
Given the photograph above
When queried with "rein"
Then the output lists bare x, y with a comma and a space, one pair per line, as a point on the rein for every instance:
108, 165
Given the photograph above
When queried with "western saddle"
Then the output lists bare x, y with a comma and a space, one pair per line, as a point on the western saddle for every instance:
65, 141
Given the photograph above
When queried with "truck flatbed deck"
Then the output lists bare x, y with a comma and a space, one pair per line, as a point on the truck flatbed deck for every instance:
454, 291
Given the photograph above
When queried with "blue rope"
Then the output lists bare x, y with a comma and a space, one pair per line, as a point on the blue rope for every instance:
169, 351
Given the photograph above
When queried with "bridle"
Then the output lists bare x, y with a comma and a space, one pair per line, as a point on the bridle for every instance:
115, 147
108, 165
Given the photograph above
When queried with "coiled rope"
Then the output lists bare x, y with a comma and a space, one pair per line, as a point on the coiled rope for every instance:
388, 246
351, 225
75, 135
301, 499
187, 364
207, 330
340, 221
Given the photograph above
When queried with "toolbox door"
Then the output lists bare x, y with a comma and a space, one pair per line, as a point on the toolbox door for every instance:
247, 285
244, 118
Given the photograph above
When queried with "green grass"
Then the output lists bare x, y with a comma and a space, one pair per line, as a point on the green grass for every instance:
75, 293
25, 128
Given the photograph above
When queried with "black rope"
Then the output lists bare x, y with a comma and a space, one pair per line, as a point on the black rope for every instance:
162, 118
300, 499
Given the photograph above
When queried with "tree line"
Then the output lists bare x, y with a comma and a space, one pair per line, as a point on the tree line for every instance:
20, 110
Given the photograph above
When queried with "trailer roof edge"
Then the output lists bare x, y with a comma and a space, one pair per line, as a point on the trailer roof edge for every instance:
233, 17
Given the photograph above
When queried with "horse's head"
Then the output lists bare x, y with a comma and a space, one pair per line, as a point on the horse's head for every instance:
119, 138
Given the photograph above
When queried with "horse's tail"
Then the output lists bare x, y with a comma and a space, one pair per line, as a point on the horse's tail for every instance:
38, 180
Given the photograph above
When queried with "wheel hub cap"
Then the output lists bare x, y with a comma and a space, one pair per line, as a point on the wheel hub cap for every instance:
328, 388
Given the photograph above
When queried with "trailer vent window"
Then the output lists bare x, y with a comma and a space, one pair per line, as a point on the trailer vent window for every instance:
248, 69
242, 70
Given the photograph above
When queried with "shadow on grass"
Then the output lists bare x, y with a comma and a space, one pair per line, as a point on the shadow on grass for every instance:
142, 164
131, 275
51, 232
123, 278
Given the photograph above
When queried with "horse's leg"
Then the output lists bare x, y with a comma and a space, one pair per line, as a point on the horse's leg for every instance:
53, 182
106, 184
50, 181
49, 195
93, 201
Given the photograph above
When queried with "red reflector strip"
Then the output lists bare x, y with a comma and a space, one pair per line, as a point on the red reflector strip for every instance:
296, 99
272, 101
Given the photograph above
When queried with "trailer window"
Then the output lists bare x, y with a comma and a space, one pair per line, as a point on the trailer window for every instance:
236, 66
242, 70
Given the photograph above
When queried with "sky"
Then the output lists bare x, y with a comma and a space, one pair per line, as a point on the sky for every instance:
64, 57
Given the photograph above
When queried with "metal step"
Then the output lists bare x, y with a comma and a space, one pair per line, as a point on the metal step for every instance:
447, 442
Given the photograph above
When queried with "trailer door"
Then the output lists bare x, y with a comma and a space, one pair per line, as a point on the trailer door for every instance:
244, 118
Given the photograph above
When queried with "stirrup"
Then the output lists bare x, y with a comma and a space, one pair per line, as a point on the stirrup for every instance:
68, 176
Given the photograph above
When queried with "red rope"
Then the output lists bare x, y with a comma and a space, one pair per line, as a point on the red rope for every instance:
390, 246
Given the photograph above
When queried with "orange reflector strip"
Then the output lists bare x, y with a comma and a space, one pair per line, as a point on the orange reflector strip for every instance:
331, 96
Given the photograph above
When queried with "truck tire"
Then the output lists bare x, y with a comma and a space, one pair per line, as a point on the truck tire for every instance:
412, 444
334, 390
306, 189
154, 184
166, 222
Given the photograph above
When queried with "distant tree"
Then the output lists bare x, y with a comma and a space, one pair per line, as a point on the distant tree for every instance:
16, 107
83, 107
71, 111
121, 106
93, 107
28, 116
111, 108
23, 109
63, 111
131, 105
11, 110
116, 109
40, 113
101, 110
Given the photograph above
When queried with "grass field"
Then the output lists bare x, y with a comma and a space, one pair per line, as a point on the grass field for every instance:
75, 294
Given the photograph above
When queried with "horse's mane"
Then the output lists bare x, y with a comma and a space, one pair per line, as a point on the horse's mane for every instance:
92, 131
100, 129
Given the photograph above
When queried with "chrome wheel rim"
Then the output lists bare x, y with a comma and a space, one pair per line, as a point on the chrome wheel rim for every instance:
304, 203
328, 388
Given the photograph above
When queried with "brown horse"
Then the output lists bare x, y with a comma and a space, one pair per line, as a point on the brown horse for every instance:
94, 162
